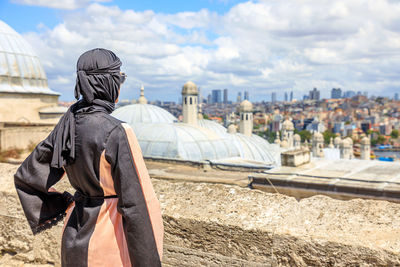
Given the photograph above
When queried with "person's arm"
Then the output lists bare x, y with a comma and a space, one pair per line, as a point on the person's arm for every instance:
42, 205
137, 202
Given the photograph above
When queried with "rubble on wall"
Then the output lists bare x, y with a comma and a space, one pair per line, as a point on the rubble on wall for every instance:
224, 225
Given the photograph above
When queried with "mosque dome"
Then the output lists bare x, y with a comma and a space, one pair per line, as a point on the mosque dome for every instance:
337, 140
232, 129
255, 148
190, 88
284, 143
345, 143
318, 136
20, 68
143, 113
297, 137
183, 141
288, 125
246, 106
213, 126
365, 141
350, 140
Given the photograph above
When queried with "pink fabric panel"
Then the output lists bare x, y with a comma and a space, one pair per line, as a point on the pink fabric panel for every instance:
153, 206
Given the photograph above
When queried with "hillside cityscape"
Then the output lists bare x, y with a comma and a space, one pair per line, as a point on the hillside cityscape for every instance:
346, 113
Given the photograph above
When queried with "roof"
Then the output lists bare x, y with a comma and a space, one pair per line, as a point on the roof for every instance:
246, 106
189, 88
182, 141
143, 113
20, 68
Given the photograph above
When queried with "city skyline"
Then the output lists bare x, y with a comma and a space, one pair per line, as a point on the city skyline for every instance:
327, 45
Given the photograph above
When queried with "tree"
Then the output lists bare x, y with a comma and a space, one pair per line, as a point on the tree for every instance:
305, 135
327, 136
381, 139
394, 134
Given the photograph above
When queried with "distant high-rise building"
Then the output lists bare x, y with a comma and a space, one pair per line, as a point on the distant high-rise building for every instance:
336, 93
396, 96
246, 95
209, 99
239, 97
225, 96
273, 97
291, 96
349, 94
286, 97
216, 96
314, 94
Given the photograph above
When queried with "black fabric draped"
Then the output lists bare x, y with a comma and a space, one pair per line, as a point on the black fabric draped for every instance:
98, 81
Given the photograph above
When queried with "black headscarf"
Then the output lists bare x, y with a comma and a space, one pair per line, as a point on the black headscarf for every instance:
98, 81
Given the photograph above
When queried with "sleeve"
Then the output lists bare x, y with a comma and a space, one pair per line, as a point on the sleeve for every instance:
43, 206
137, 201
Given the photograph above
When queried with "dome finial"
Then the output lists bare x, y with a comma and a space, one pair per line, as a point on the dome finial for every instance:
142, 99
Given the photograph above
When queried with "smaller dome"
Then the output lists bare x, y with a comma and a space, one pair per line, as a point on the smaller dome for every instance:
349, 140
318, 136
365, 141
232, 129
345, 143
337, 140
190, 88
284, 143
277, 139
246, 106
297, 137
288, 125
143, 113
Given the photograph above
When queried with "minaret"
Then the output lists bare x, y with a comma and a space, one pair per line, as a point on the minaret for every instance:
331, 143
189, 103
277, 139
142, 99
318, 145
287, 131
365, 148
246, 118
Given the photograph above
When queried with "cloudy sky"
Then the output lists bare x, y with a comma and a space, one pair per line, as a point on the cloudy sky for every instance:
261, 46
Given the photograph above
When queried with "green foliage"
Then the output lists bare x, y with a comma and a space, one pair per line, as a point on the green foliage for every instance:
268, 135
305, 135
327, 136
205, 116
374, 142
381, 139
394, 134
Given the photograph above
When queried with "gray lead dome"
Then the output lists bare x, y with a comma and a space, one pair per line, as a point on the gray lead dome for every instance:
20, 68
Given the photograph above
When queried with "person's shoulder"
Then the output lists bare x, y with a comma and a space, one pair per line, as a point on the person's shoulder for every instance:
118, 125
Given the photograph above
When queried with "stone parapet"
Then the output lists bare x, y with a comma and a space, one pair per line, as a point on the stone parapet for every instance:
224, 225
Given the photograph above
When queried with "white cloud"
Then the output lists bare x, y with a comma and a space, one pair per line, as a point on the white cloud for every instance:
58, 4
266, 45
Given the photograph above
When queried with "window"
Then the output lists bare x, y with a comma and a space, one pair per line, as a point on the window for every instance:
185, 100
247, 117
190, 100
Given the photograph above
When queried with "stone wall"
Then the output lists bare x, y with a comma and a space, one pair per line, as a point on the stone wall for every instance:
224, 225
25, 107
23, 136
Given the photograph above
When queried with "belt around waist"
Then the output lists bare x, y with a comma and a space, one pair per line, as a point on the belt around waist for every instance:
78, 195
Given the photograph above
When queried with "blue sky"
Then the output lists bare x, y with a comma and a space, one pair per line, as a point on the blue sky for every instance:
261, 46
25, 18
